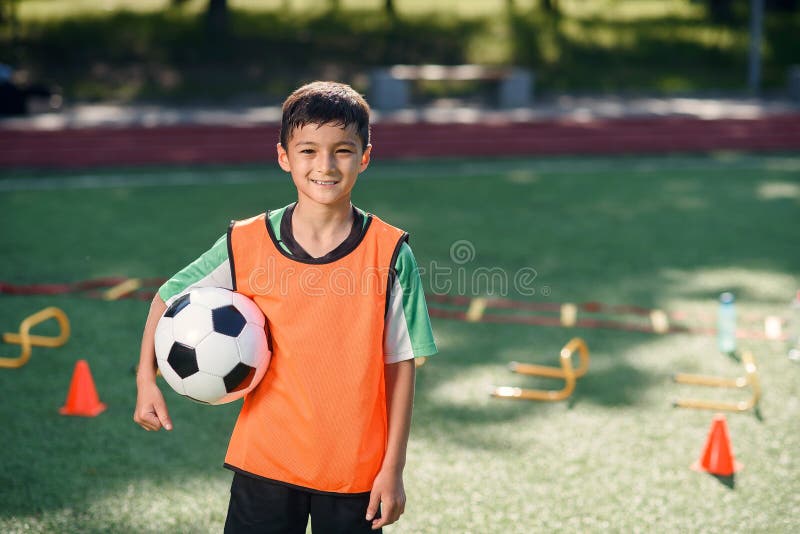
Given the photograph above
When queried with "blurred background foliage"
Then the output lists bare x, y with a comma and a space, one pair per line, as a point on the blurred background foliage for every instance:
255, 51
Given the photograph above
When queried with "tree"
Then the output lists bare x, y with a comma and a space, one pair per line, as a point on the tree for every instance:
551, 7
8, 17
727, 11
217, 17
720, 10
8, 12
216, 14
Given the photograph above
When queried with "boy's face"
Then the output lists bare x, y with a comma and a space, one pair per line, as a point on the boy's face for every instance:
324, 161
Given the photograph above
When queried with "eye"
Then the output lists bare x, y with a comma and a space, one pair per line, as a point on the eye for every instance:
344, 151
307, 151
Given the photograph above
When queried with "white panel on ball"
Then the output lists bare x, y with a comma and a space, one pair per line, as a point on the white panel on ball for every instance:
217, 354
249, 309
204, 387
252, 344
211, 297
163, 337
171, 376
192, 324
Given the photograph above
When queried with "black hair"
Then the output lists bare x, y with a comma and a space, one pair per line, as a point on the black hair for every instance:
325, 103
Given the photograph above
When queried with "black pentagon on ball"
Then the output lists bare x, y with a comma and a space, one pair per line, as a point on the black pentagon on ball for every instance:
228, 321
183, 360
239, 378
177, 306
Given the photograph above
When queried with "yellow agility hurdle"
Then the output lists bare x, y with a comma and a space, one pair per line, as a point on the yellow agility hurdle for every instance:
26, 340
565, 372
122, 289
750, 379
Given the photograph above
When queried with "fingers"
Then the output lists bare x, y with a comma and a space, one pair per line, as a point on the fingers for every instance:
147, 419
151, 410
163, 415
374, 503
153, 418
392, 507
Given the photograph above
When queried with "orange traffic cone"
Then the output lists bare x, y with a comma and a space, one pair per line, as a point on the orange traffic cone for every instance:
82, 398
717, 457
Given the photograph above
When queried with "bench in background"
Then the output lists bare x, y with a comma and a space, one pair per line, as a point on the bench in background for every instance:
390, 86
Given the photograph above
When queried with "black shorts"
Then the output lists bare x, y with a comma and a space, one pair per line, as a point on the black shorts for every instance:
265, 507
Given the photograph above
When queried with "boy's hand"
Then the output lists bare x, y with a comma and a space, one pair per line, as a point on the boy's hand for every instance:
387, 490
151, 409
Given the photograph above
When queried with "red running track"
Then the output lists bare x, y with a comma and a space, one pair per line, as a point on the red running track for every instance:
132, 146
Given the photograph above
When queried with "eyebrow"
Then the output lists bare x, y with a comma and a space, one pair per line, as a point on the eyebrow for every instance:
350, 143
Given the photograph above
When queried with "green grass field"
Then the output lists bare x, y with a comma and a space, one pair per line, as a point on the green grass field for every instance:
668, 232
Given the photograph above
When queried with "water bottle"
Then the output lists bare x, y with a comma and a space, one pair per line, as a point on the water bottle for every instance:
726, 324
793, 329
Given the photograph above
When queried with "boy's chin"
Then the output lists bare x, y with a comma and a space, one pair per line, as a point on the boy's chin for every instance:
327, 201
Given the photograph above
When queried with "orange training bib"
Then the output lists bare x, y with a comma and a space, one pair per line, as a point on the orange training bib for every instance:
318, 417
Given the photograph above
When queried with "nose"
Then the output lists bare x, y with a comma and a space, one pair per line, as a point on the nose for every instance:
327, 163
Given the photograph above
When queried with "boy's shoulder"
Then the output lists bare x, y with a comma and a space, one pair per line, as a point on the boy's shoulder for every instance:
381, 221
270, 212
274, 215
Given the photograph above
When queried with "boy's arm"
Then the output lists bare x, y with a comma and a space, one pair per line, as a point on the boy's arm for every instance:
151, 409
388, 486
210, 269
408, 332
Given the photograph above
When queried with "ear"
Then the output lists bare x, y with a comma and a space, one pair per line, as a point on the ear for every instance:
365, 157
283, 158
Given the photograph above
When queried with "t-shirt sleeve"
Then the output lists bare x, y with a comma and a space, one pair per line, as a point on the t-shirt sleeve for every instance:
212, 269
408, 333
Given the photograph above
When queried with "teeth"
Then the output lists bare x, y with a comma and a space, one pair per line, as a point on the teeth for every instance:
323, 183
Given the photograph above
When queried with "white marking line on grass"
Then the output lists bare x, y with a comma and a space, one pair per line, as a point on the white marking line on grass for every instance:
155, 179
404, 170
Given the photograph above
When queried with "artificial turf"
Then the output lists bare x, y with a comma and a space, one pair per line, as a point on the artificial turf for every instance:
666, 232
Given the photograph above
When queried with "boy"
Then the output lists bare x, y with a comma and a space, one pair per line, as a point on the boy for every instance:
325, 433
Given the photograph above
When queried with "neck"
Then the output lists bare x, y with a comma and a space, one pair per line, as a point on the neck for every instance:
321, 220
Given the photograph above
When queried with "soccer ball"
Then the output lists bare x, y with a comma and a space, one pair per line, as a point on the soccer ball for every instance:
211, 345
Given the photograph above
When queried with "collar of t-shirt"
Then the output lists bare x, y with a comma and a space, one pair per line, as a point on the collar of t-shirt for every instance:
350, 242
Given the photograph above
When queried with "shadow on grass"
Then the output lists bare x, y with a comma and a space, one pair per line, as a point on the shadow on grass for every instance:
453, 387
644, 239
616, 385
727, 481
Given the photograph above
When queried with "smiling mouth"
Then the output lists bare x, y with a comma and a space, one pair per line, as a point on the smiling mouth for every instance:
327, 182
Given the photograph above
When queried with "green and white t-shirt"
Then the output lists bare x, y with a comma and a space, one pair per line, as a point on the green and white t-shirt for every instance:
407, 333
